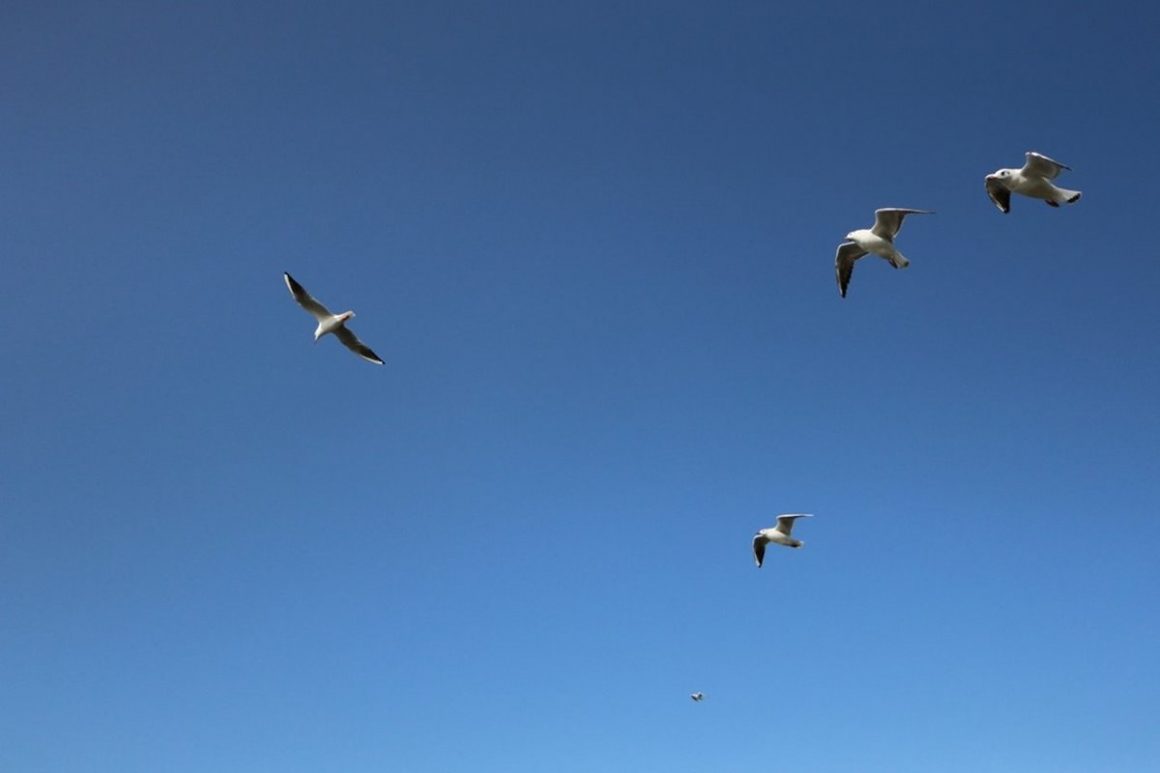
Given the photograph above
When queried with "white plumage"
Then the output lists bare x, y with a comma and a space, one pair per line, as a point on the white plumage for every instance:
330, 323
779, 534
877, 239
1033, 180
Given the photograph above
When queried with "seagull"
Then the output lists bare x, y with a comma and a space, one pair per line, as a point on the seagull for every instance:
779, 534
878, 239
1033, 180
698, 696
330, 323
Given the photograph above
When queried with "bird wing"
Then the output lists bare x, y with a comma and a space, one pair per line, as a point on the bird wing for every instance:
305, 300
785, 521
759, 542
888, 222
1039, 165
998, 193
350, 341
844, 258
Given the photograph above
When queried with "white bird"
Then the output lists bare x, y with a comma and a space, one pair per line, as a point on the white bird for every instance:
1033, 180
779, 534
698, 696
330, 323
878, 239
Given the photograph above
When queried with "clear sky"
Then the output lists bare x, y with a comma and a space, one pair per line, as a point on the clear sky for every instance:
594, 243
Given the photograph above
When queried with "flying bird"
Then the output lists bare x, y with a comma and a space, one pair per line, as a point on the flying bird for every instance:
698, 696
878, 239
1033, 180
779, 534
330, 323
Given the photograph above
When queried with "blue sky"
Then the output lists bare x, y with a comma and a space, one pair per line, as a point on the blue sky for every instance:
594, 243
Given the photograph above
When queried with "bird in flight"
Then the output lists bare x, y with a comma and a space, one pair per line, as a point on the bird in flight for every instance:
1033, 180
878, 238
779, 534
698, 697
330, 323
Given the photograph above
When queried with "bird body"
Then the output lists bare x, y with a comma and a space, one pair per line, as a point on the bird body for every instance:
781, 534
869, 241
1034, 180
774, 534
330, 323
878, 239
698, 697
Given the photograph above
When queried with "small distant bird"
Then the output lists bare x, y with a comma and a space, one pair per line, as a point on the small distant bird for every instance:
331, 323
779, 534
1033, 180
698, 696
878, 239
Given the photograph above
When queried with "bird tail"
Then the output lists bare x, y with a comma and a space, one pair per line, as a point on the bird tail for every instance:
1064, 196
898, 260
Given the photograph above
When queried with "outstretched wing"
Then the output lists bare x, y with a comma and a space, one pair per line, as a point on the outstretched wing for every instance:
844, 258
998, 193
785, 521
1039, 165
759, 548
305, 300
888, 222
350, 341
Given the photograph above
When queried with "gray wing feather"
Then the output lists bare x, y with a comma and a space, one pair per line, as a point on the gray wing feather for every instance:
998, 193
888, 221
844, 258
785, 522
759, 549
350, 341
305, 300
1040, 165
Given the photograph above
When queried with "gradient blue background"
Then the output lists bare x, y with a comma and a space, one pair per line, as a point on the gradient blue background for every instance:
594, 243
